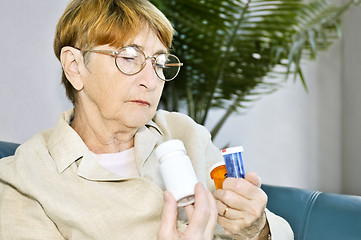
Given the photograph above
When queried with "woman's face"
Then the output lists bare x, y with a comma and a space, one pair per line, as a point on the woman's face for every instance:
129, 101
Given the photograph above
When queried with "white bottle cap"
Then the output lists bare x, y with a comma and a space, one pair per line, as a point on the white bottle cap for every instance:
232, 150
169, 147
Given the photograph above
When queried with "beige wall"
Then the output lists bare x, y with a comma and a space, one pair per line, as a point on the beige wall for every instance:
351, 104
31, 97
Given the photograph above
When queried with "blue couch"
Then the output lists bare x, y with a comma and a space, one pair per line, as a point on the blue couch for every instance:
313, 215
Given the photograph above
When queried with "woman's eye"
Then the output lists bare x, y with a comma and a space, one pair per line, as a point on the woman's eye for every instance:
157, 65
128, 58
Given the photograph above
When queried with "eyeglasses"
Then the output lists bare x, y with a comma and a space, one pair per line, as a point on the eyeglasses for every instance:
130, 60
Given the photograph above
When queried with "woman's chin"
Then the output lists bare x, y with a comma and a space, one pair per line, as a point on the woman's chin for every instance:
138, 121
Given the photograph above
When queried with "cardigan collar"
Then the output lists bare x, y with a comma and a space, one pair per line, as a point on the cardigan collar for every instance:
66, 147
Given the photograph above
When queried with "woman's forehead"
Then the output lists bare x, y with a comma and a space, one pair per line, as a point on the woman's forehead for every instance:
147, 41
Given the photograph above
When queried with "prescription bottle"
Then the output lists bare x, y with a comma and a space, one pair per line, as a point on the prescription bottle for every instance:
177, 171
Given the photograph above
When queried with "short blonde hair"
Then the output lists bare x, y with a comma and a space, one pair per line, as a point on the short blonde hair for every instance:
89, 23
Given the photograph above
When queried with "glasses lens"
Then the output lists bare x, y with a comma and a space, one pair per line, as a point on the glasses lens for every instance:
167, 66
130, 60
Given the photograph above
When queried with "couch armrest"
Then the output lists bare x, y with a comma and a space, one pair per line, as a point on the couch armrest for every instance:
7, 148
314, 215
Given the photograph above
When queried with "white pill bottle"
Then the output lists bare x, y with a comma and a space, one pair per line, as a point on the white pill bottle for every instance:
177, 171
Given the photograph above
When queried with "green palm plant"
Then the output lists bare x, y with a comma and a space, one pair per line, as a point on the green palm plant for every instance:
235, 51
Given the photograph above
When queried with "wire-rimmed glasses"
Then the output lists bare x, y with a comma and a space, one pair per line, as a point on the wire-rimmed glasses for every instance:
130, 60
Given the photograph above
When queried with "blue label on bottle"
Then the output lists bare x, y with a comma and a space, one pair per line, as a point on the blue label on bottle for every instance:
234, 165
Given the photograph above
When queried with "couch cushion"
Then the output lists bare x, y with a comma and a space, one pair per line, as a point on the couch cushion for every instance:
334, 216
315, 215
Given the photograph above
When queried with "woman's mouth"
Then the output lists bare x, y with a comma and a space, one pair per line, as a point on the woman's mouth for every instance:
141, 102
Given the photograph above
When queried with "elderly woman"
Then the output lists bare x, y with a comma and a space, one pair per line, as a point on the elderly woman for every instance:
95, 175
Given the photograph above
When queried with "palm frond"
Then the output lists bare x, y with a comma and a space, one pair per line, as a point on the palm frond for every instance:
232, 48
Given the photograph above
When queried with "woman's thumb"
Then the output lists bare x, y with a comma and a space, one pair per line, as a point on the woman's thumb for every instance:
253, 178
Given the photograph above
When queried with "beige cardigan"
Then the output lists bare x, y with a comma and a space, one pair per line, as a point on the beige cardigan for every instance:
53, 188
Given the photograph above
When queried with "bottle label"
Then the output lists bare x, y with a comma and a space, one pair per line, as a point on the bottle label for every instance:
234, 162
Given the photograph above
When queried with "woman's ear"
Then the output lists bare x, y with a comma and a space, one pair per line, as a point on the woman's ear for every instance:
71, 59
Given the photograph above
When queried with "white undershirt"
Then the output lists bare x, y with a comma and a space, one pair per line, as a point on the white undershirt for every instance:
121, 163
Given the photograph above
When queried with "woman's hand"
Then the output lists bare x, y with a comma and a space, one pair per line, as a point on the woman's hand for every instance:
241, 207
202, 217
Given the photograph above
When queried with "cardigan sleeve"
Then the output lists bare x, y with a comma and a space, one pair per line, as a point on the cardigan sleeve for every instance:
279, 228
23, 218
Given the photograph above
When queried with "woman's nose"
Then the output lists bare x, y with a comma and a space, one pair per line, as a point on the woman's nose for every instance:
148, 76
